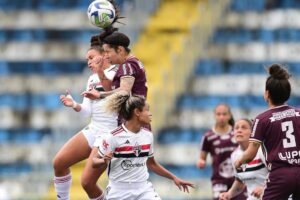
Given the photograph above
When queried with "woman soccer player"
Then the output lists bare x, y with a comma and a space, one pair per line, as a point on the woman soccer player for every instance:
79, 147
219, 142
278, 130
130, 75
128, 151
254, 174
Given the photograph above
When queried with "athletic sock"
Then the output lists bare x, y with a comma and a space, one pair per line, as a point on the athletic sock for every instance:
62, 186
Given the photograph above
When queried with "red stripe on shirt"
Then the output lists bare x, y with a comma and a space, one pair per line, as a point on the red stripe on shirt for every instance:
130, 148
254, 162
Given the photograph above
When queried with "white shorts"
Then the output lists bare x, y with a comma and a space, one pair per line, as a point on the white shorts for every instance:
130, 191
94, 134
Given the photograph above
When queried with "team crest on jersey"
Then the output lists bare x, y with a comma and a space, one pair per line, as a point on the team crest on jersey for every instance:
105, 144
137, 149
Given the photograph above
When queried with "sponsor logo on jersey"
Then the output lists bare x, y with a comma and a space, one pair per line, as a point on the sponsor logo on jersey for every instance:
292, 157
127, 142
284, 114
127, 164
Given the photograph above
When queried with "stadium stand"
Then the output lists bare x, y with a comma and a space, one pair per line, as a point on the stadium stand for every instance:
250, 36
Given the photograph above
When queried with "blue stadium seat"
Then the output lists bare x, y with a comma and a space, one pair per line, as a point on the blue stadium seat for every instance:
43, 35
189, 172
4, 136
215, 67
207, 67
13, 169
45, 101
48, 5
42, 68
27, 135
178, 135
247, 5
249, 101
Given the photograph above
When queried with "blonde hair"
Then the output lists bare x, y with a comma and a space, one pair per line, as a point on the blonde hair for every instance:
124, 104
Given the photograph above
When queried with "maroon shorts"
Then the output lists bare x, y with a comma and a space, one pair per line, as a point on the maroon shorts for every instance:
282, 183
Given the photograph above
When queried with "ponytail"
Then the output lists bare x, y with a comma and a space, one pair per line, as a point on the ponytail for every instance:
124, 104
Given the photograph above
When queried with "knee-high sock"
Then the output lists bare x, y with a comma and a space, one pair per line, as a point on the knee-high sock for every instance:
62, 186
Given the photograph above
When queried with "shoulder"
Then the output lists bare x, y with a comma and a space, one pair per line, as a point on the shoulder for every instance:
117, 131
210, 135
264, 115
134, 62
146, 132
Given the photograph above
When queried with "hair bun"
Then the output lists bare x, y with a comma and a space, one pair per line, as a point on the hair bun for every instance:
277, 71
107, 31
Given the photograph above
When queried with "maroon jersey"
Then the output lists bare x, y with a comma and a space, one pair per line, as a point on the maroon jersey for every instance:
278, 129
220, 147
132, 67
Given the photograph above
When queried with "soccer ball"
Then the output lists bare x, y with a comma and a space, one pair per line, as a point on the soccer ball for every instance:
101, 13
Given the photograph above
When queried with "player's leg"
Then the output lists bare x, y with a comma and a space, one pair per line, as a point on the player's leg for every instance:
67, 156
90, 177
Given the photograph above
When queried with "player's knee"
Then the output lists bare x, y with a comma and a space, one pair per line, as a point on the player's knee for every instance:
58, 164
87, 183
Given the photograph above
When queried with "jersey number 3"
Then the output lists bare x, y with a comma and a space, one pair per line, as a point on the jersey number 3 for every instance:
288, 128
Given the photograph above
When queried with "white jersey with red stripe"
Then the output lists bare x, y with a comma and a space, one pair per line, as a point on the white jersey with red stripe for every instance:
95, 108
252, 174
131, 151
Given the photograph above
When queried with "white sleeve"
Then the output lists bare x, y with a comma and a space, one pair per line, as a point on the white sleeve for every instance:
111, 72
86, 105
106, 146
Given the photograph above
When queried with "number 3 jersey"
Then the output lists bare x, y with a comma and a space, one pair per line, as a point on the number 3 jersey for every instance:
130, 154
278, 129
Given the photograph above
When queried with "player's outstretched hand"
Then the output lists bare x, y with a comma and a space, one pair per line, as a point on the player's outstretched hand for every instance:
224, 196
183, 185
67, 99
91, 94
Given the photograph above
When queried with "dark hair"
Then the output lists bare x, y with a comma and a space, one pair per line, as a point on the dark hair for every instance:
278, 85
124, 104
96, 43
231, 120
114, 39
